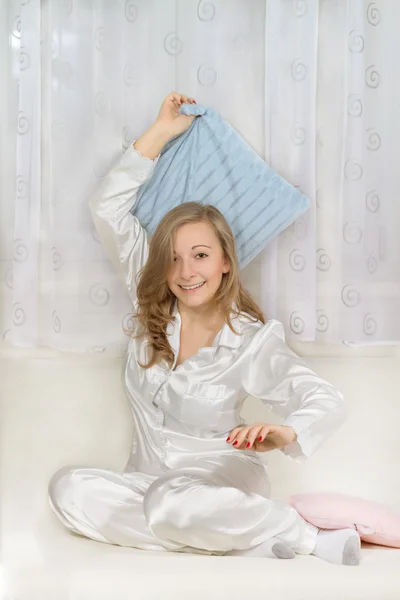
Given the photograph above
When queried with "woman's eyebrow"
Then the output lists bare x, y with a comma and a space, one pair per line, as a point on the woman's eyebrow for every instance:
198, 245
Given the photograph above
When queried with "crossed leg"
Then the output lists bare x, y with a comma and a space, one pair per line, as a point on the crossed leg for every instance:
212, 506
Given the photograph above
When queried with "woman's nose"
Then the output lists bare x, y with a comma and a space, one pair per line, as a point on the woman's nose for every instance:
187, 271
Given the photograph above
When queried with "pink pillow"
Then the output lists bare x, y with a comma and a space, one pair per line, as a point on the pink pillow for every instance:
375, 522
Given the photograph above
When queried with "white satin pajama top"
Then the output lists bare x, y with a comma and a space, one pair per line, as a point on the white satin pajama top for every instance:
185, 414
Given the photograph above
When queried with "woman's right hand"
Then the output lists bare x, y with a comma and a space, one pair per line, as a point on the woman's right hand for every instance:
169, 117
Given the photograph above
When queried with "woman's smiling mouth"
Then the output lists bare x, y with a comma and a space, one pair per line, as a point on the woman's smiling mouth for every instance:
192, 288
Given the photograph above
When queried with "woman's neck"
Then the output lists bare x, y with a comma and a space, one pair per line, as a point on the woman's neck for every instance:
207, 317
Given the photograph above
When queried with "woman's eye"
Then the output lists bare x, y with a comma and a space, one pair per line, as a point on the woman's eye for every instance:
199, 254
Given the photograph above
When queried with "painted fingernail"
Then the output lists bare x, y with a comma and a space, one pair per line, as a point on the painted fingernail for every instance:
260, 438
248, 445
227, 439
234, 443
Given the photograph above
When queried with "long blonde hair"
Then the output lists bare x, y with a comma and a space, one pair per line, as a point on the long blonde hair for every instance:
155, 301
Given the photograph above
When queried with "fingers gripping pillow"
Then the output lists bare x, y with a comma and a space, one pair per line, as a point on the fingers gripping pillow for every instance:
375, 522
212, 164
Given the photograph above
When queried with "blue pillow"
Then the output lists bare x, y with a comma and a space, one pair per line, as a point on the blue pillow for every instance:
212, 164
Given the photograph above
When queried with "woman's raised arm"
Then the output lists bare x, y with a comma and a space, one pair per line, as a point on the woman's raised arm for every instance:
120, 232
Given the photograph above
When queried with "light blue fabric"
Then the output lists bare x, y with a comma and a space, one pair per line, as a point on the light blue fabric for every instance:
212, 164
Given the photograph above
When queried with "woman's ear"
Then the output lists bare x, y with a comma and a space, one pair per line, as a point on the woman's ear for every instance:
227, 267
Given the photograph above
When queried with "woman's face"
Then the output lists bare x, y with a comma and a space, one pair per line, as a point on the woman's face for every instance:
198, 259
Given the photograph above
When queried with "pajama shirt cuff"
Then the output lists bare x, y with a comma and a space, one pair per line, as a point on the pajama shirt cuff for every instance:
141, 166
312, 432
301, 449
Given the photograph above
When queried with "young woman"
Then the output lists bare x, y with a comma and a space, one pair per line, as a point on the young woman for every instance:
199, 346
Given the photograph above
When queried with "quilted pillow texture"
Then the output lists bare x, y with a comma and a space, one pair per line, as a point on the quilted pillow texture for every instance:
212, 164
375, 522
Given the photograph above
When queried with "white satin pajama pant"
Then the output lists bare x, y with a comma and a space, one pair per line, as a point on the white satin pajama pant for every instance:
211, 506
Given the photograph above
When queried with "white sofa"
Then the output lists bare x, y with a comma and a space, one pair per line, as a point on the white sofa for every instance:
69, 409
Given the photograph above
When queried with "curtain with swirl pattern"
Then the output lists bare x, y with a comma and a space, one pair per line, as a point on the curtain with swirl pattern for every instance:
312, 85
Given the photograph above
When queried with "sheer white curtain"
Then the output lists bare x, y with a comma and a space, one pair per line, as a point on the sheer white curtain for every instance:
312, 85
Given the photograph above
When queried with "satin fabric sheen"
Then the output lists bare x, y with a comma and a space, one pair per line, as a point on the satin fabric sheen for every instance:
184, 488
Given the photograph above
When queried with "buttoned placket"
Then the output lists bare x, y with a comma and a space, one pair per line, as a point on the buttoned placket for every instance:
174, 333
164, 441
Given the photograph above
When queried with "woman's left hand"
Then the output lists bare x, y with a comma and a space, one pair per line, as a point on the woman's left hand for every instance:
261, 437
